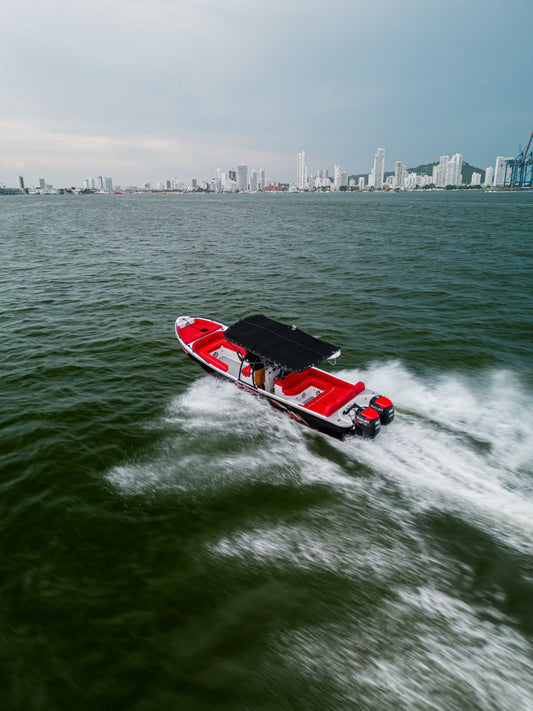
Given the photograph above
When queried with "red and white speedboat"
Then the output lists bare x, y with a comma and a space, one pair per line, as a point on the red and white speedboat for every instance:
276, 361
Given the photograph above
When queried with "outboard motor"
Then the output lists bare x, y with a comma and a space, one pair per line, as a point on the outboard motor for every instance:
384, 408
367, 422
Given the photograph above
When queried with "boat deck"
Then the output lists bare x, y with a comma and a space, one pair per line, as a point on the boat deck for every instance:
314, 389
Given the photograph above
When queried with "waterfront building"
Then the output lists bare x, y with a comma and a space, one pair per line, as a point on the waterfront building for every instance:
108, 185
435, 174
489, 175
218, 183
42, 183
21, 183
499, 171
411, 181
261, 181
399, 175
455, 167
379, 168
442, 172
340, 178
371, 179
301, 170
322, 179
242, 178
476, 179
361, 184
253, 180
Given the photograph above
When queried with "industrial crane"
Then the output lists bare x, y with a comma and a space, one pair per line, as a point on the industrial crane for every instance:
519, 170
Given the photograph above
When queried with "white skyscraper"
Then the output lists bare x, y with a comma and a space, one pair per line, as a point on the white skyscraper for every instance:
261, 182
499, 171
340, 178
442, 172
489, 175
253, 180
379, 168
242, 178
301, 170
455, 167
399, 175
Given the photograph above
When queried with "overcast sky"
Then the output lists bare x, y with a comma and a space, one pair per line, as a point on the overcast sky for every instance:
142, 90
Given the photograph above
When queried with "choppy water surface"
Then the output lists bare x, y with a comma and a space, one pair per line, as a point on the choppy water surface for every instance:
170, 542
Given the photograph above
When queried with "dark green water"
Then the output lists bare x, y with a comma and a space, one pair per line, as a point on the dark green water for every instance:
169, 542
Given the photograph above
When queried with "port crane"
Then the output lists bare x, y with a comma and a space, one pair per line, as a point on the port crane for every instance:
519, 170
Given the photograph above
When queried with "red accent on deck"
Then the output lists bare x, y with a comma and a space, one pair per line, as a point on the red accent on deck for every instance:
336, 392
205, 346
200, 327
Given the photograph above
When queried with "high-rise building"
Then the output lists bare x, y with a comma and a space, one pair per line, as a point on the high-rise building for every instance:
108, 185
261, 181
42, 183
21, 183
242, 178
253, 180
442, 172
499, 171
340, 178
455, 167
361, 183
489, 175
476, 179
399, 175
301, 170
379, 168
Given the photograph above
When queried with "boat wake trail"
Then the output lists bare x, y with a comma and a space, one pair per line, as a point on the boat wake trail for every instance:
460, 444
214, 437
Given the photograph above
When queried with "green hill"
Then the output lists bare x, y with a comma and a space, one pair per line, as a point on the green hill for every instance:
466, 172
427, 169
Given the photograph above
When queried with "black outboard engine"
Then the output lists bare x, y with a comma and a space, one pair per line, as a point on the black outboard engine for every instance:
367, 422
384, 408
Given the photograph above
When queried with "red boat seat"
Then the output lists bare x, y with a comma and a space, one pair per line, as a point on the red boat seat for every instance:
205, 346
335, 392
200, 327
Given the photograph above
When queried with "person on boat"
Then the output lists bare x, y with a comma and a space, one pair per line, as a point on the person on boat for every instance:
258, 370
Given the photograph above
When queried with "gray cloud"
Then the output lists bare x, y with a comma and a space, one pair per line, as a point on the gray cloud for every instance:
260, 79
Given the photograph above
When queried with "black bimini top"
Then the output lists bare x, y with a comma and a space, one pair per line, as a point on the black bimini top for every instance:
278, 343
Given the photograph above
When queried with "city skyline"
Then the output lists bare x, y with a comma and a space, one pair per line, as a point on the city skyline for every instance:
447, 172
444, 172
178, 88
299, 178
